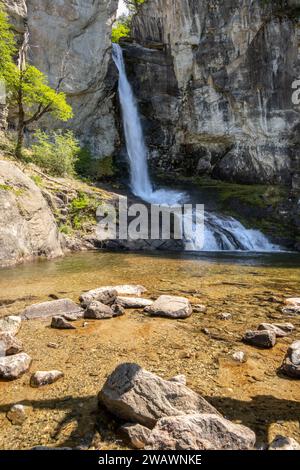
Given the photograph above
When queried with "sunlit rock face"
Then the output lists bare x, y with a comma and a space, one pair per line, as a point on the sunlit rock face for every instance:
70, 42
214, 82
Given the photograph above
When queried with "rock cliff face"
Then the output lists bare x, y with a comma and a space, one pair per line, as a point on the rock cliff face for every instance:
214, 82
27, 226
70, 43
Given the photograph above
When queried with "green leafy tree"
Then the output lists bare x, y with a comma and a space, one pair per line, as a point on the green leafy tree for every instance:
28, 88
56, 153
120, 30
7, 49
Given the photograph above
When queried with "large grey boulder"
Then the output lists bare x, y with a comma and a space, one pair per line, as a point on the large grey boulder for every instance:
134, 302
138, 396
200, 432
171, 307
98, 311
291, 363
105, 295
129, 289
261, 339
53, 308
9, 345
279, 332
10, 324
12, 367
27, 226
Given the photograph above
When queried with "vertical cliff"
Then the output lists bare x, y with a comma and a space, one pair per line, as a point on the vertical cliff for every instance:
214, 82
70, 41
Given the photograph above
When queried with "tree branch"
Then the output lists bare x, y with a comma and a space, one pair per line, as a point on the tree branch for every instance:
40, 113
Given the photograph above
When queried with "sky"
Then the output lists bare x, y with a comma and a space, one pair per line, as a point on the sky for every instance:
122, 8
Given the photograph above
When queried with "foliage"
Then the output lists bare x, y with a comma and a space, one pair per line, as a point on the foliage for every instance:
39, 98
56, 153
37, 180
82, 212
28, 88
119, 30
122, 26
93, 168
7, 50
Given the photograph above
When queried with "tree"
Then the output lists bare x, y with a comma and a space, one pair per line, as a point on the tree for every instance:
35, 98
121, 28
7, 49
28, 88
133, 5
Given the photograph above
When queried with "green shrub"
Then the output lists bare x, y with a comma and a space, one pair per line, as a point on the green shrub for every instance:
56, 153
93, 168
37, 180
119, 31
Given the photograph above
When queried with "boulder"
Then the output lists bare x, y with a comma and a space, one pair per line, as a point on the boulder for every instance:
292, 306
276, 329
287, 327
118, 310
129, 289
60, 323
134, 302
171, 307
199, 308
17, 414
261, 339
136, 395
240, 357
51, 309
11, 324
12, 367
291, 363
106, 296
136, 434
41, 378
200, 432
27, 226
284, 443
73, 316
98, 311
9, 345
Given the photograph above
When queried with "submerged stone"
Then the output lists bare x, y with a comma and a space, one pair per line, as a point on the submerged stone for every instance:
42, 378
53, 308
171, 307
12, 367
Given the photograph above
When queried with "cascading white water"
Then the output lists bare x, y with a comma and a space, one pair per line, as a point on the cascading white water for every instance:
221, 233
137, 152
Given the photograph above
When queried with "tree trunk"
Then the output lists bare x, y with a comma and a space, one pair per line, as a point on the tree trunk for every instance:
21, 124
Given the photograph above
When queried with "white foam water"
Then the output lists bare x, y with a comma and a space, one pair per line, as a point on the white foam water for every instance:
220, 233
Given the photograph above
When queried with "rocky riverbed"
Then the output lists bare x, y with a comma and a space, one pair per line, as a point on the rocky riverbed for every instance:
229, 296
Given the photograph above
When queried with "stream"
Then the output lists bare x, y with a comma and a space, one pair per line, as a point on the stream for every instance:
250, 287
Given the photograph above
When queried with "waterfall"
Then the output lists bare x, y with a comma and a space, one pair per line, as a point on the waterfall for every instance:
221, 233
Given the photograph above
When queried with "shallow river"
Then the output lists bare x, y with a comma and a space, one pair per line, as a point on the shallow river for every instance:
251, 288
